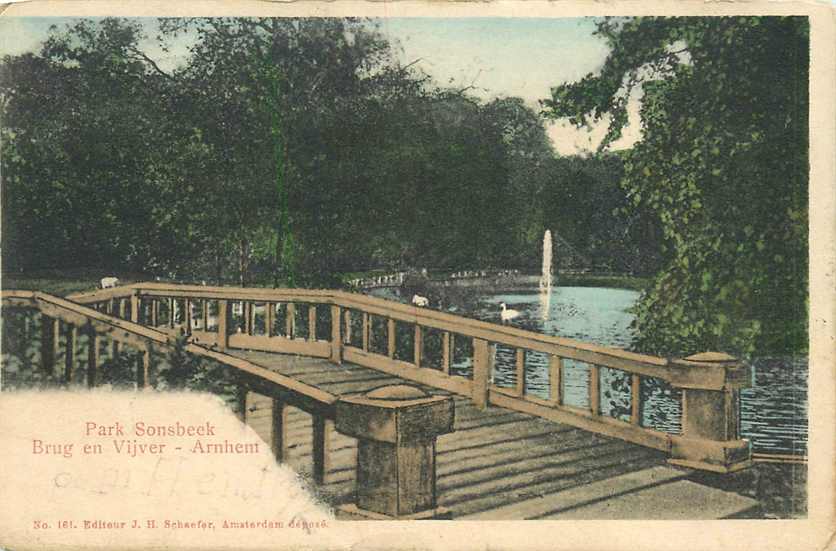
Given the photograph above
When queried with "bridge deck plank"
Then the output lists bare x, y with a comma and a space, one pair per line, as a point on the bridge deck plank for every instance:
498, 464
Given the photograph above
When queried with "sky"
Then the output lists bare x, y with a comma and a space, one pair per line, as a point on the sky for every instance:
496, 57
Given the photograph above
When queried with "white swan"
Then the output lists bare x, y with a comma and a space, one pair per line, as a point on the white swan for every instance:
507, 313
418, 300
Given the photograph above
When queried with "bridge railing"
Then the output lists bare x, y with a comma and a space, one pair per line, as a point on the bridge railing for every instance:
454, 353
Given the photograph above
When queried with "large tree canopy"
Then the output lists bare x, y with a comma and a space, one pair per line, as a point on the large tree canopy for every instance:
722, 163
285, 149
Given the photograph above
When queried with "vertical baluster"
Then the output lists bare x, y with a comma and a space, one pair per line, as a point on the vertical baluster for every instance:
92, 357
321, 431
336, 337
245, 314
278, 430
290, 321
390, 337
136, 303
172, 312
446, 351
520, 389
635, 399
205, 311
269, 317
365, 332
347, 334
155, 312
555, 379
419, 345
594, 390
69, 352
312, 322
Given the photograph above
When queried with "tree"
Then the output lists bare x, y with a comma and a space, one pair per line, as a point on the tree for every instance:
81, 124
722, 163
285, 75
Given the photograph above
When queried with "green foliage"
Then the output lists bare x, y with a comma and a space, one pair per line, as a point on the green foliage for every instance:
722, 164
186, 371
120, 370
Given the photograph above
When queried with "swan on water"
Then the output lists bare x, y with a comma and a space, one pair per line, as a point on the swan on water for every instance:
507, 313
418, 300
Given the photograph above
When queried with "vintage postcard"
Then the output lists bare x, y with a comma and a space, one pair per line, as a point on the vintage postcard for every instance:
373, 275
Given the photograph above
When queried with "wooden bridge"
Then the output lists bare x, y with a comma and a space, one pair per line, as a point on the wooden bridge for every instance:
392, 411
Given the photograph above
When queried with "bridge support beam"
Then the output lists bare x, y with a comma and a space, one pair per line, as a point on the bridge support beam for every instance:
710, 438
396, 429
69, 353
92, 357
321, 432
278, 430
49, 344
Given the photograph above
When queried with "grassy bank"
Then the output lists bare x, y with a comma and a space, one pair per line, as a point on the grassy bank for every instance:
609, 280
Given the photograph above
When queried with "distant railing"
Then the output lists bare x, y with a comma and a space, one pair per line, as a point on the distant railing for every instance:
364, 330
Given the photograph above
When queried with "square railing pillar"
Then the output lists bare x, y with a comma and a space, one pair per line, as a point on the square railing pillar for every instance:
396, 428
710, 438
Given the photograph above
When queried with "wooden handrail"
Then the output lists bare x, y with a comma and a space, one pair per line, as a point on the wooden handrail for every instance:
709, 382
709, 376
136, 334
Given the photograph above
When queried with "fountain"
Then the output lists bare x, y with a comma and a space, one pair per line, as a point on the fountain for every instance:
546, 276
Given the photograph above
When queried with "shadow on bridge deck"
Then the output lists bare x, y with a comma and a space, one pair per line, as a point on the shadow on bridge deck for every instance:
501, 464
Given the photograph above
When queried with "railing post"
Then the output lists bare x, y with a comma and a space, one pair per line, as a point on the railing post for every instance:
135, 302
710, 437
347, 334
290, 320
419, 345
312, 322
187, 316
336, 335
390, 337
365, 332
396, 429
520, 368
446, 352
269, 318
223, 325
594, 390
555, 376
635, 399
481, 373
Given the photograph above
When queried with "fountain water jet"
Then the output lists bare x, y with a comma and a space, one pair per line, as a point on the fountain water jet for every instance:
546, 276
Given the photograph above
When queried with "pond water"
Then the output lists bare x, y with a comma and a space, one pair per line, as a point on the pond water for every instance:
773, 410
